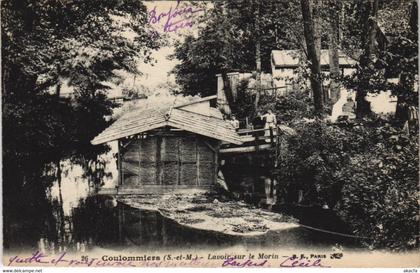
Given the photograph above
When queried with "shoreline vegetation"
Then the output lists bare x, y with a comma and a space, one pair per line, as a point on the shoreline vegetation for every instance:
61, 61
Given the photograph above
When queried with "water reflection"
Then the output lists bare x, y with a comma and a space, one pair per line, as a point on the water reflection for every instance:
39, 214
74, 184
71, 217
101, 221
74, 204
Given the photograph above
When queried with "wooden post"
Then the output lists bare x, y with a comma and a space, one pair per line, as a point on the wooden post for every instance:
197, 157
276, 174
271, 136
216, 163
120, 221
178, 176
120, 172
276, 161
163, 232
158, 160
256, 142
139, 179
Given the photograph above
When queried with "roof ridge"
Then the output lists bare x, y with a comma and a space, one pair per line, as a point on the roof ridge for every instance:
211, 125
189, 111
195, 101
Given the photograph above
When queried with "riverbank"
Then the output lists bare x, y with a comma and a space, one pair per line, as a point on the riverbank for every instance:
204, 211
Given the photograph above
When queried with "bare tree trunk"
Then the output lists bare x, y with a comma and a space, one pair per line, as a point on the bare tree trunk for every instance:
58, 87
3, 80
401, 111
406, 80
314, 64
61, 205
257, 55
333, 37
258, 76
316, 10
369, 44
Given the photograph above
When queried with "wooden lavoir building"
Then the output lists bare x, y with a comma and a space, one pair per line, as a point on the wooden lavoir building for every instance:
169, 147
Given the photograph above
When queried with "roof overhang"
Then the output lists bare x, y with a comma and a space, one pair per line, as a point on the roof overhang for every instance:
133, 123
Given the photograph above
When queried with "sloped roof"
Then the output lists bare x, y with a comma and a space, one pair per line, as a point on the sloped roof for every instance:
143, 120
290, 58
195, 101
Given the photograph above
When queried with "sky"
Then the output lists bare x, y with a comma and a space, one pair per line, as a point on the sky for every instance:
158, 72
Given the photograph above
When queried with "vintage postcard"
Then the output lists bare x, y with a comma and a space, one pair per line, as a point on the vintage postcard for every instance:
234, 134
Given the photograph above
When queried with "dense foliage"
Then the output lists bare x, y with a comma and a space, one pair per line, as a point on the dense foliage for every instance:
51, 45
312, 159
382, 46
243, 106
48, 47
227, 41
393, 52
296, 105
380, 189
367, 172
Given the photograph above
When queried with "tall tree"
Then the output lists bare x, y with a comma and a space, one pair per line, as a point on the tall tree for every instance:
379, 36
49, 43
402, 56
367, 57
333, 42
229, 38
316, 8
257, 53
314, 64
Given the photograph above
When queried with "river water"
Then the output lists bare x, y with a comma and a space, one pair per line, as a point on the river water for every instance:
75, 218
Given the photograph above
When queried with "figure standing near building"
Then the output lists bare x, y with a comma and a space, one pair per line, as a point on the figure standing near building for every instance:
270, 123
412, 119
258, 123
349, 108
235, 123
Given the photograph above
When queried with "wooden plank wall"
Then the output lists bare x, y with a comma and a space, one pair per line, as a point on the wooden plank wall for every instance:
169, 160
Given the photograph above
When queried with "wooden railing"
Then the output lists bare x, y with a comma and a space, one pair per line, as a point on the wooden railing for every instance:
253, 141
255, 134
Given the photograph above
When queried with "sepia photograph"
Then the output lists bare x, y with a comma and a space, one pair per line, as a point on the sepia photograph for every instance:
210, 134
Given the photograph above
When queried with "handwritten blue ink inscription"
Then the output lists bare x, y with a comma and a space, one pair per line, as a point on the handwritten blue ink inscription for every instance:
175, 18
232, 262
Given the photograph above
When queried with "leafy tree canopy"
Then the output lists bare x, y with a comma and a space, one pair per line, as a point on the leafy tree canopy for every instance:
48, 43
226, 42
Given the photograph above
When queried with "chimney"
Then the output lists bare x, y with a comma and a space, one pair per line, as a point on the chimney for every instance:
234, 81
222, 102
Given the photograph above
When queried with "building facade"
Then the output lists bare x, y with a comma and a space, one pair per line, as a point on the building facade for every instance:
169, 147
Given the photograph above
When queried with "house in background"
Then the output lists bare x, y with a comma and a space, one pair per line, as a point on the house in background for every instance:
285, 65
169, 147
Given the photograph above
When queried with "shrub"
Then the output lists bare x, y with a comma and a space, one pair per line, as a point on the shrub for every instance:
296, 105
244, 104
312, 159
380, 191
366, 172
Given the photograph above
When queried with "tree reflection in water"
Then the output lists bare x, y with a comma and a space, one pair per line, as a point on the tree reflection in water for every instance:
58, 210
40, 200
